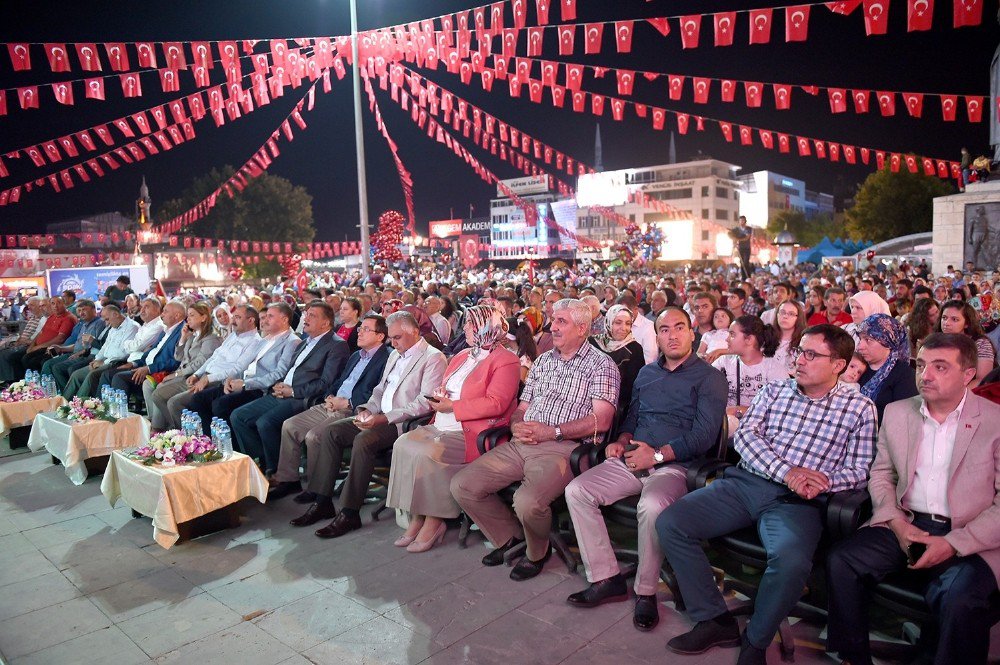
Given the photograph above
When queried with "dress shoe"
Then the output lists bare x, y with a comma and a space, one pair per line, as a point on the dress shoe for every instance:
404, 540
749, 654
283, 489
304, 497
341, 524
646, 615
611, 590
526, 568
424, 545
495, 558
315, 513
722, 631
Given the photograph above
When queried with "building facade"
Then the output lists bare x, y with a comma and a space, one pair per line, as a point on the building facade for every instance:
766, 193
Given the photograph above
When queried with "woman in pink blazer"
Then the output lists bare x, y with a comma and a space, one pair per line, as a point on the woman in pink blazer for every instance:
479, 391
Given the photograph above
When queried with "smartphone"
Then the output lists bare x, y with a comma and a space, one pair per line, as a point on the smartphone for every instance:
431, 398
629, 448
914, 552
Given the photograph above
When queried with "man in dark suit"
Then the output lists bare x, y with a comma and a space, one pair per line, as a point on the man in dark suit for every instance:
160, 356
352, 388
316, 364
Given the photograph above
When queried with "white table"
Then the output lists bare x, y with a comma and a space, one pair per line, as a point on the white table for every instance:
73, 442
22, 414
179, 494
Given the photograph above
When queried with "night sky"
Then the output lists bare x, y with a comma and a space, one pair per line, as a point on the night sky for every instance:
837, 54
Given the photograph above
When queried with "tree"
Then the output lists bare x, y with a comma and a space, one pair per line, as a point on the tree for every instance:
889, 205
269, 208
807, 231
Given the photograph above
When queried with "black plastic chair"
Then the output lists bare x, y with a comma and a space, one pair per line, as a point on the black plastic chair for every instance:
380, 476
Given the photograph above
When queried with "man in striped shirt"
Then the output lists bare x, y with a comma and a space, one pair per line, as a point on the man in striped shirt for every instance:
800, 438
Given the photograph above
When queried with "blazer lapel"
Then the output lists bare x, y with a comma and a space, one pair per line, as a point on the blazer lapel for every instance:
968, 424
412, 365
915, 434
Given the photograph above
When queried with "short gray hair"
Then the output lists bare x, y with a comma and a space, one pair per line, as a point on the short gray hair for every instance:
403, 318
85, 302
579, 311
114, 309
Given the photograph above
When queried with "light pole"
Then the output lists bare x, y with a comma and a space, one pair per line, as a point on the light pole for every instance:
359, 140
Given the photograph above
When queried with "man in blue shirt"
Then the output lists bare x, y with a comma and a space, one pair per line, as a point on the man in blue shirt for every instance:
73, 354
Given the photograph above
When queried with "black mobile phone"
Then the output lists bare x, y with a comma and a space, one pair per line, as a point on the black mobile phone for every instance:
914, 552
629, 447
431, 398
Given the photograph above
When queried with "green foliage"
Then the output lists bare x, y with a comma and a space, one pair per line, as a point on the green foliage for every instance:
269, 208
808, 232
263, 270
890, 204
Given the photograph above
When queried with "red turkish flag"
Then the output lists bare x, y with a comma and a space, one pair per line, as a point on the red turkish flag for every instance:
141, 122
36, 156
617, 108
535, 38
519, 8
725, 26
623, 36
85, 140
68, 146
63, 93
727, 131
660, 24
844, 7
860, 98
914, 103
508, 43
911, 163
568, 10
928, 164
58, 57
784, 143
942, 168
948, 105
549, 70
626, 79
131, 85
104, 134
838, 100
535, 91
967, 12
797, 23
173, 55
94, 88
89, 60
169, 80
542, 11
766, 138
201, 76
850, 154
919, 14
683, 122
676, 88
147, 54
124, 128
804, 150
754, 92
574, 77
877, 16
579, 98
52, 151
746, 135
28, 97
597, 104
567, 34
974, 108
702, 86
558, 95
514, 86
594, 33
886, 102
160, 115
658, 117
782, 96
834, 151
690, 29
728, 90
20, 56
177, 111
760, 26
117, 56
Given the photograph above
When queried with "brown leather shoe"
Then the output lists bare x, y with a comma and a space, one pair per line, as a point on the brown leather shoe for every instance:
341, 524
315, 513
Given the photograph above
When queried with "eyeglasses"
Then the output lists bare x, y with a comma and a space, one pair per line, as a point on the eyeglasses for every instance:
367, 330
809, 354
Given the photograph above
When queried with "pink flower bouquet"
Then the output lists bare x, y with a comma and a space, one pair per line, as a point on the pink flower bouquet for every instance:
174, 447
22, 391
84, 410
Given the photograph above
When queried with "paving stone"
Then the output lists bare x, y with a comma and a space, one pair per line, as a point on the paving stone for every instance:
244, 643
31, 632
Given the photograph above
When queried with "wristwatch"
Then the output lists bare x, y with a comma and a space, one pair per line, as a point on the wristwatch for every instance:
658, 457
559, 436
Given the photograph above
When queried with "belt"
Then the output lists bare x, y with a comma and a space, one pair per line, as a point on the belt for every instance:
939, 519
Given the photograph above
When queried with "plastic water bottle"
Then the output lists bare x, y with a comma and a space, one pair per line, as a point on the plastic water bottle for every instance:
225, 441
48, 385
105, 393
29, 377
196, 428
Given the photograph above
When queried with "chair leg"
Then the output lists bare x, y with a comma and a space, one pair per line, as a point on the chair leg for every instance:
563, 551
668, 577
787, 644
464, 531
378, 510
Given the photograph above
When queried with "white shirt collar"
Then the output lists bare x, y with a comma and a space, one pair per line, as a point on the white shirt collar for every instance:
954, 415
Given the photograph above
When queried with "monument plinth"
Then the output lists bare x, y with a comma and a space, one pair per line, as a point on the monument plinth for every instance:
967, 228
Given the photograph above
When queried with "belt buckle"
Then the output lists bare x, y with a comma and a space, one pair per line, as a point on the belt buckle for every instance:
938, 518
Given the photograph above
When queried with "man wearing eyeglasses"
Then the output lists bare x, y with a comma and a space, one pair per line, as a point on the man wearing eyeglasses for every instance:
800, 438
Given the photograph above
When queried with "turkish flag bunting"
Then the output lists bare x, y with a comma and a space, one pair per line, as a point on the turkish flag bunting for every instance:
28, 97
766, 139
838, 100
147, 54
623, 36
160, 115
131, 85
84, 176
519, 7
948, 106
942, 168
566, 37
549, 70
804, 150
784, 143
20, 56
886, 102
797, 23
919, 14
58, 57
753, 90
93, 88
67, 179
661, 25
68, 146
834, 149
967, 13
117, 56
911, 163
727, 131
676, 86
849, 154
597, 104
169, 80
535, 91
89, 60
782, 96
760, 26
201, 77
514, 85
104, 134
52, 151
728, 90
509, 44
173, 54
541, 11
177, 111
63, 93
124, 128
85, 140
141, 122
880, 160
914, 103
658, 117
617, 109
844, 7
640, 110
626, 79
201, 55
558, 95
860, 98
690, 29
574, 77
702, 86
568, 10
36, 156
746, 135
725, 25
974, 107
535, 38
877, 16
683, 123
578, 101
929, 166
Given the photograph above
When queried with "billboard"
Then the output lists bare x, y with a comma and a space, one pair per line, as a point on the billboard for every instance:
92, 282
448, 228
607, 189
535, 184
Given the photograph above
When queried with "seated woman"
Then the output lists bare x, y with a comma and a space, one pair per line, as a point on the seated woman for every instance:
959, 317
864, 304
522, 344
921, 322
196, 344
479, 392
886, 349
618, 342
350, 313
223, 321
789, 324
749, 364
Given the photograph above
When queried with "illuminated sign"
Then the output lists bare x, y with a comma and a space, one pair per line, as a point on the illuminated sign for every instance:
449, 228
602, 189
536, 184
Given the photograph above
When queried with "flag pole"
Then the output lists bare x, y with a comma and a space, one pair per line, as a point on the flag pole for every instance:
360, 143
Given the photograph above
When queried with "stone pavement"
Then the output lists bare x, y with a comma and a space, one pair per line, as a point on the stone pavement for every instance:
84, 583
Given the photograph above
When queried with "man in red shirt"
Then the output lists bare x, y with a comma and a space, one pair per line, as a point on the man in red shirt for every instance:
55, 331
835, 298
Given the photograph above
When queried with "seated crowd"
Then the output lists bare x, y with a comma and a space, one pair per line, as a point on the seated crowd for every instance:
827, 397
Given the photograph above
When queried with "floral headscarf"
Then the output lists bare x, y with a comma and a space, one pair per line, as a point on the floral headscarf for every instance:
891, 334
608, 343
488, 325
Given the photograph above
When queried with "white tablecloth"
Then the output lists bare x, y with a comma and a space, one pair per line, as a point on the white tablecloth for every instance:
20, 414
73, 442
183, 492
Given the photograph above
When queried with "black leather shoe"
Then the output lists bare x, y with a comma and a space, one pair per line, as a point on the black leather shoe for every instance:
315, 513
611, 590
305, 497
526, 568
722, 631
341, 524
283, 489
495, 558
646, 615
749, 654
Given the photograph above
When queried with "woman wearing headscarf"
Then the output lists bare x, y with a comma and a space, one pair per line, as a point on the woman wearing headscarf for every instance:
221, 315
618, 343
885, 347
863, 304
479, 391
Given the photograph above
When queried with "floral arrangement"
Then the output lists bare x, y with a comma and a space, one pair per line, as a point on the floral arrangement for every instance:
84, 410
22, 391
174, 447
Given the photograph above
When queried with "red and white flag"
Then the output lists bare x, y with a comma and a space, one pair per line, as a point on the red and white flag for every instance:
169, 80
568, 10
93, 88
58, 57
594, 32
914, 103
919, 15
89, 60
626, 79
760, 26
967, 13
173, 55
948, 105
838, 100
117, 56
860, 98
782, 96
725, 26
727, 131
675, 87
728, 88
541, 11
702, 86
877, 16
623, 36
766, 139
797, 23
20, 56
147, 54
660, 24
63, 93
28, 97
754, 92
566, 37
886, 102
131, 85
86, 140
974, 108
690, 30
535, 39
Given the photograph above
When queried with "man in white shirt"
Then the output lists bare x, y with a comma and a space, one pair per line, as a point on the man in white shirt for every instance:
643, 329
433, 306
121, 329
936, 510
150, 330
159, 357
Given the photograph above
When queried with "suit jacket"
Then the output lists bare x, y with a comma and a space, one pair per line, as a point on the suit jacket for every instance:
195, 353
974, 474
488, 395
319, 369
370, 377
273, 365
421, 378
165, 360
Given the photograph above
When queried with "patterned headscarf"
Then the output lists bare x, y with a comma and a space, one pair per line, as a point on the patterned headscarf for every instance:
608, 343
891, 334
488, 325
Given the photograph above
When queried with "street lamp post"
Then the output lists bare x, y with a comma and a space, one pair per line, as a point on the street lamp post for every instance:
359, 140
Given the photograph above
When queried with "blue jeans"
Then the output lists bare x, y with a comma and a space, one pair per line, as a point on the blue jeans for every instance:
257, 427
789, 530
